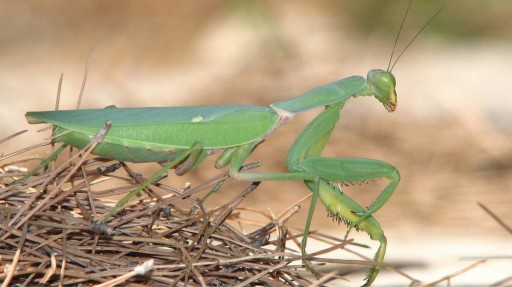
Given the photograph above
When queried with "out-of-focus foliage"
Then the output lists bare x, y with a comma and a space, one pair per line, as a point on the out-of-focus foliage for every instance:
461, 20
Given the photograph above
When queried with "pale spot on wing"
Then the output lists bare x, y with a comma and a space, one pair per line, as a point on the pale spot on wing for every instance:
197, 119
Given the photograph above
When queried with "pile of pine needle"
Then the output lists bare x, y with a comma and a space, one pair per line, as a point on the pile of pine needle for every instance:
54, 231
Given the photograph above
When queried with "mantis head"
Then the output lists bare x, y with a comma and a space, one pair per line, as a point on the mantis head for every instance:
381, 84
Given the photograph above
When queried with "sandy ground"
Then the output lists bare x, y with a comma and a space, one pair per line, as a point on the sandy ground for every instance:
450, 136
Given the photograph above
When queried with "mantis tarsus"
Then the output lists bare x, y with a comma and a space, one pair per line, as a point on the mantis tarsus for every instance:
184, 136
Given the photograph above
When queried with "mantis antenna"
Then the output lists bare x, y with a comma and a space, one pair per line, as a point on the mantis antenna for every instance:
397, 37
412, 40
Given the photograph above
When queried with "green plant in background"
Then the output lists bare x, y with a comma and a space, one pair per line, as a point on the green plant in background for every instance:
463, 23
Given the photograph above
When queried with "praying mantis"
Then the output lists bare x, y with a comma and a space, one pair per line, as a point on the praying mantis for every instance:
183, 137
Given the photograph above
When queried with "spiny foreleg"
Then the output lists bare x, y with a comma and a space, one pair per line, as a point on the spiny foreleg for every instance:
341, 207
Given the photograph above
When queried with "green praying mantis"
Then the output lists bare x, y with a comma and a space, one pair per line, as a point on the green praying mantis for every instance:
183, 137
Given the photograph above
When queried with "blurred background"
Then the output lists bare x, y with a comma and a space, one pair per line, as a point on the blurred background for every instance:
450, 136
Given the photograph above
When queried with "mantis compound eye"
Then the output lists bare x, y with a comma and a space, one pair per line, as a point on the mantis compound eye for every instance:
383, 84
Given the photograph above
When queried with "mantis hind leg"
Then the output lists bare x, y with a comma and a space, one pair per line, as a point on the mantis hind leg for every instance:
43, 164
182, 157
